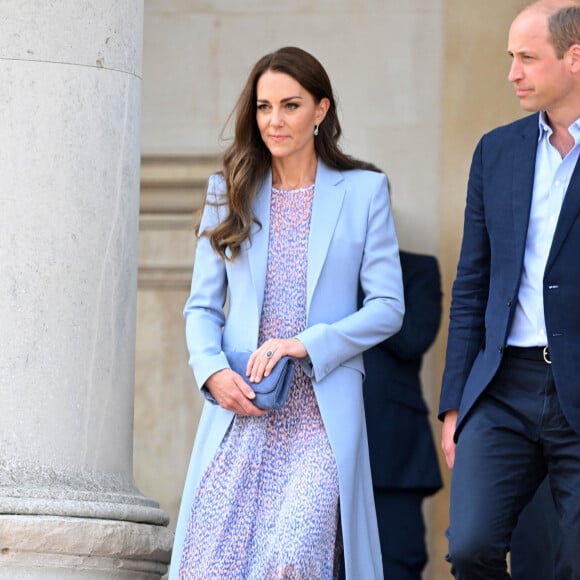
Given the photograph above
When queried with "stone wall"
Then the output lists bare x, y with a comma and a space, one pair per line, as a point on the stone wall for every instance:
417, 81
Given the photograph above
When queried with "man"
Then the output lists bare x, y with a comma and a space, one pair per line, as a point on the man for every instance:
510, 399
403, 455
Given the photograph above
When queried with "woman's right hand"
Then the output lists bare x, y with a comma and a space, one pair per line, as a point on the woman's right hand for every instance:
232, 393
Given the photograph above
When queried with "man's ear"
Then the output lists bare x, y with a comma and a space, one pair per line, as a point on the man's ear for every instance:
574, 58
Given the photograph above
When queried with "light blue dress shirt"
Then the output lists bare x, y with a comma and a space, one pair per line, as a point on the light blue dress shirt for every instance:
551, 179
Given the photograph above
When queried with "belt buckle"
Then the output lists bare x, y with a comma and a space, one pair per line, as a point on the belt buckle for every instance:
546, 355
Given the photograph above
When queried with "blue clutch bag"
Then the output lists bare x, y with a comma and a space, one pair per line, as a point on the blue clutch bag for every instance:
271, 391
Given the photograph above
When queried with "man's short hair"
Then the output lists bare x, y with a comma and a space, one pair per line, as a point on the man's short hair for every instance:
564, 29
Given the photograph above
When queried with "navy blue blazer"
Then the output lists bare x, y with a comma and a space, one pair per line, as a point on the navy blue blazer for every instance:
485, 292
402, 450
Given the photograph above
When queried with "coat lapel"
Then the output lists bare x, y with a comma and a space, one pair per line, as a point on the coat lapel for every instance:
328, 198
329, 194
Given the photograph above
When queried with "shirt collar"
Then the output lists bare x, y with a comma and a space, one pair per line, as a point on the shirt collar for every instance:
546, 130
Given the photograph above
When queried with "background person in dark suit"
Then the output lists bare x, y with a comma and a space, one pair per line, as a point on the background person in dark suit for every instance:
403, 455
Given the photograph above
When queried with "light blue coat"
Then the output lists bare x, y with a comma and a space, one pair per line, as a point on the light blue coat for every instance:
352, 240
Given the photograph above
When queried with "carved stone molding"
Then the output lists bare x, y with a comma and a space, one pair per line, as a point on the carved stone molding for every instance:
172, 190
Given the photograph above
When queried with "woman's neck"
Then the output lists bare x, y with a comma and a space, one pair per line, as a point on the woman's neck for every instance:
289, 175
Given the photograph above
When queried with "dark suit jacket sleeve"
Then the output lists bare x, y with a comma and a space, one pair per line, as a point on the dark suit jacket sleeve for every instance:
470, 292
422, 284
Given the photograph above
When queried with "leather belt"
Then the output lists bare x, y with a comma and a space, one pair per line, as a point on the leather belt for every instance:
537, 353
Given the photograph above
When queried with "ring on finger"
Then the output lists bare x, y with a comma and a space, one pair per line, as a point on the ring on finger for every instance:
269, 354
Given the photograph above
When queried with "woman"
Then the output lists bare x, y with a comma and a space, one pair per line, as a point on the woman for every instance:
290, 229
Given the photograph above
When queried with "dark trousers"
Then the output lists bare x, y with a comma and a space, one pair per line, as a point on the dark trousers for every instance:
402, 533
514, 435
535, 538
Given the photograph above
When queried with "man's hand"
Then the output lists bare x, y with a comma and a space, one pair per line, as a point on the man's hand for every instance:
447, 433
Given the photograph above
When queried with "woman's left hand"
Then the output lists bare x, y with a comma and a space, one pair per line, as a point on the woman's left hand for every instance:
264, 359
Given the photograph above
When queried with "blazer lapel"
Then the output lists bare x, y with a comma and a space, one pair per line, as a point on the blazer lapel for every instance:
568, 214
329, 193
524, 163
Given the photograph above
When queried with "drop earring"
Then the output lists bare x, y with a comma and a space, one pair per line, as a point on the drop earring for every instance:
316, 129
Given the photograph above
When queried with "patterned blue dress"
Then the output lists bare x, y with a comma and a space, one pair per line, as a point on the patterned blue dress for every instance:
267, 506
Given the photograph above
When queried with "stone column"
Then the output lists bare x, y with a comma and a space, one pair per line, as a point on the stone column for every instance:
70, 99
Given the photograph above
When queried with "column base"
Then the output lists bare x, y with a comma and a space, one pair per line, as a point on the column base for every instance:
63, 548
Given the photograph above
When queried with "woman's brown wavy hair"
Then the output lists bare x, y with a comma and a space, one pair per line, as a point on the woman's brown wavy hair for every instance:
247, 160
